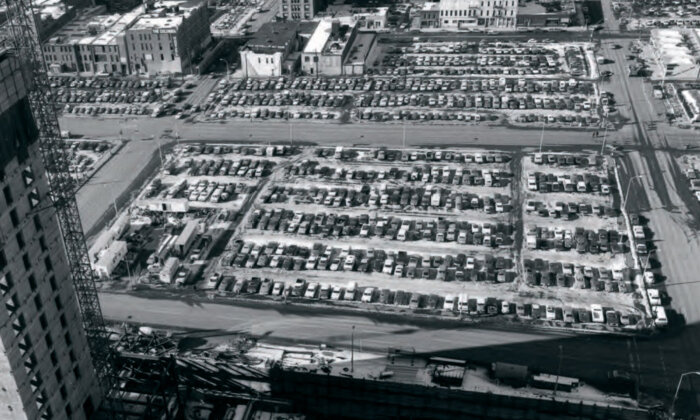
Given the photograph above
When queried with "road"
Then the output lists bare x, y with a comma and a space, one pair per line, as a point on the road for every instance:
585, 357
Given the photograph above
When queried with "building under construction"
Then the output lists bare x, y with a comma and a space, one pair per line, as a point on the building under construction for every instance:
46, 369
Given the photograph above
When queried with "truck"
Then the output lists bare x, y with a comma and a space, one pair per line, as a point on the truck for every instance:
169, 269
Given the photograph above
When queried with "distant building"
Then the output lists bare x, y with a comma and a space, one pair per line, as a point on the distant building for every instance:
61, 51
464, 14
429, 15
467, 14
164, 37
328, 48
300, 9
365, 18
675, 51
274, 49
535, 14
168, 38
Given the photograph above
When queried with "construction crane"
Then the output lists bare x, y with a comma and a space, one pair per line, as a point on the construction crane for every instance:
24, 39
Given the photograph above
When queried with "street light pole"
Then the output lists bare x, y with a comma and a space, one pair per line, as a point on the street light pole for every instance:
228, 68
542, 136
352, 350
678, 388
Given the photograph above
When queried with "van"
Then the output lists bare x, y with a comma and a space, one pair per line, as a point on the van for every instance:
450, 303
660, 316
597, 313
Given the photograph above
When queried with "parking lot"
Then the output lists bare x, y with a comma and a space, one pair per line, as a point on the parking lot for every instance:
639, 15
468, 233
92, 96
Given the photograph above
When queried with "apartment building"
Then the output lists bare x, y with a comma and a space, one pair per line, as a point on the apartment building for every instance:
300, 9
464, 14
467, 14
46, 371
168, 38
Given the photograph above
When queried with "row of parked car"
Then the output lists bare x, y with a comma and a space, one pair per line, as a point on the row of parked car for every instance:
100, 82
288, 89
384, 154
276, 99
251, 168
532, 47
271, 113
459, 267
426, 174
538, 272
576, 183
565, 119
569, 211
506, 101
205, 149
580, 239
110, 109
564, 159
462, 304
389, 197
389, 227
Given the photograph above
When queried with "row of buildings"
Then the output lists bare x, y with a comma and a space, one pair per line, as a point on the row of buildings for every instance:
329, 47
155, 38
495, 14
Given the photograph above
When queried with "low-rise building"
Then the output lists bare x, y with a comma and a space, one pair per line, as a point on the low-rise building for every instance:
553, 13
328, 48
675, 51
168, 38
428, 16
300, 9
365, 18
274, 49
465, 14
61, 49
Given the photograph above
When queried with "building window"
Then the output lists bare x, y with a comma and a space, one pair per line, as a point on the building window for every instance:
48, 340
32, 282
25, 261
43, 322
37, 223
52, 282
37, 302
54, 358
8, 195
42, 244
76, 372
20, 240
57, 301
67, 338
48, 263
14, 218
62, 318
63, 392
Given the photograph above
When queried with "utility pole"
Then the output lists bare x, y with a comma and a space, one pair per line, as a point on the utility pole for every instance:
352, 350
561, 355
542, 136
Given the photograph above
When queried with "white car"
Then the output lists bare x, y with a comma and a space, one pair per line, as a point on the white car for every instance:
368, 295
654, 297
450, 303
311, 291
337, 293
470, 263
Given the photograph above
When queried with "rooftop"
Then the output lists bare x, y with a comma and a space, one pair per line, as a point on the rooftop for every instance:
546, 8
431, 6
166, 14
360, 47
323, 41
274, 36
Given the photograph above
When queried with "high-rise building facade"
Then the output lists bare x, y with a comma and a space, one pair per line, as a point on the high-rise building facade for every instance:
46, 371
